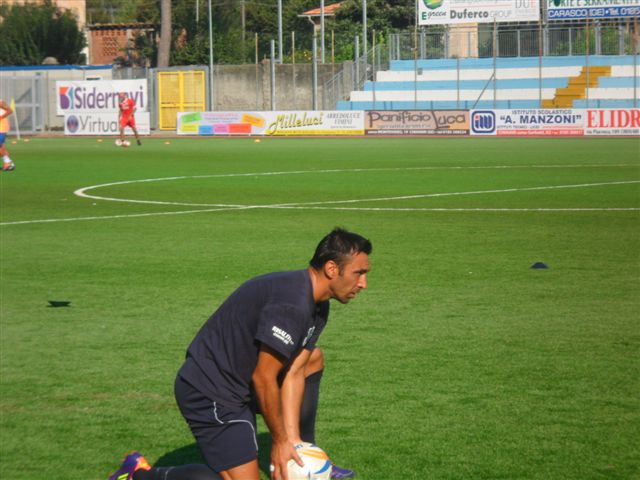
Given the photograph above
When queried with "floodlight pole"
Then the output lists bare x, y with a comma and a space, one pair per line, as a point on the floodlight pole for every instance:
364, 36
322, 30
279, 31
273, 76
211, 97
356, 83
635, 61
314, 53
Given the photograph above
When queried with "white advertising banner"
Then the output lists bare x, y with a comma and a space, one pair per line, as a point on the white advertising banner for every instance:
98, 95
304, 122
100, 124
593, 9
527, 122
556, 122
613, 121
448, 12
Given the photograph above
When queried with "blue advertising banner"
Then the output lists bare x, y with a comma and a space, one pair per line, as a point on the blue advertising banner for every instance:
592, 9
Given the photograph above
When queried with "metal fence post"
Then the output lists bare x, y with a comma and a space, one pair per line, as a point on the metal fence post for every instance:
356, 81
634, 39
315, 73
570, 41
273, 75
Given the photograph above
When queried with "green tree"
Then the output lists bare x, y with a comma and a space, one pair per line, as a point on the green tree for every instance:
30, 33
383, 17
236, 22
111, 11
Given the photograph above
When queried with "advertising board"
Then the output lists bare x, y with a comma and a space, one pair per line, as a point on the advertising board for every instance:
528, 122
417, 122
448, 12
98, 95
556, 122
593, 9
103, 124
613, 121
322, 122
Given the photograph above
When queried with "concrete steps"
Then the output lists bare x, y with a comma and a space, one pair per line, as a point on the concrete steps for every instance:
577, 87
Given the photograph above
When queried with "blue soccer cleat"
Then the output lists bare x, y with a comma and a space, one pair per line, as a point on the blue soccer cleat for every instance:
131, 463
337, 472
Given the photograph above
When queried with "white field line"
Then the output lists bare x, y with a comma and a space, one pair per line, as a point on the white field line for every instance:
419, 209
113, 217
451, 194
327, 204
82, 192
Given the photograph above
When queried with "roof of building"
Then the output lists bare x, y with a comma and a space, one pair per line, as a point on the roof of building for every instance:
121, 26
329, 10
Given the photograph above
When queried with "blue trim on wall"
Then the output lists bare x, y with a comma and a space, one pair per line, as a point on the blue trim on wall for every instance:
511, 62
55, 67
467, 84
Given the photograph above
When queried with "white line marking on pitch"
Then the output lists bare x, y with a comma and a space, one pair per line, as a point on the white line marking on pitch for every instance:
111, 217
325, 204
82, 192
450, 194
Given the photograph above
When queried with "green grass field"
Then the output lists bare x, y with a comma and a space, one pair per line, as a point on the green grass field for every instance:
459, 361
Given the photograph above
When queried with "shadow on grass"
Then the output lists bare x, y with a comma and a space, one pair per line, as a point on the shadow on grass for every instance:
190, 454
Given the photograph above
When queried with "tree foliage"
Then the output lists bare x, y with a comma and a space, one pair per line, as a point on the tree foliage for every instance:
30, 33
235, 24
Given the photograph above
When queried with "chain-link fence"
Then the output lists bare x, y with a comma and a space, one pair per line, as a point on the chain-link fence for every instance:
464, 66
487, 40
26, 94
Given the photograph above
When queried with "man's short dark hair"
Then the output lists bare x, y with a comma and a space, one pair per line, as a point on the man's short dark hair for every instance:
338, 246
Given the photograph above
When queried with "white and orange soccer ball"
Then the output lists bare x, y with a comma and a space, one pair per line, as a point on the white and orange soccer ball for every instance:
317, 465
118, 143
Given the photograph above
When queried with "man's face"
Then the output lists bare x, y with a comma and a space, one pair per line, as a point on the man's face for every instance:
122, 96
351, 278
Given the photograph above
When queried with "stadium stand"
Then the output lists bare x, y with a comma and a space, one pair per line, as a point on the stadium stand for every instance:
521, 82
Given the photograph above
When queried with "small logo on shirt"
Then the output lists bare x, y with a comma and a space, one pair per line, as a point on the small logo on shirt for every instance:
281, 335
308, 337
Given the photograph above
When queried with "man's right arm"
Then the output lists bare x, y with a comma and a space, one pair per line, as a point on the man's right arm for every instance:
265, 382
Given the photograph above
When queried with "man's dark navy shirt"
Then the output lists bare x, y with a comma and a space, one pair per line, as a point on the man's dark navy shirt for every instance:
276, 310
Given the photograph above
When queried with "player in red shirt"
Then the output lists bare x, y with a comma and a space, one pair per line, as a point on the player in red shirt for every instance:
127, 109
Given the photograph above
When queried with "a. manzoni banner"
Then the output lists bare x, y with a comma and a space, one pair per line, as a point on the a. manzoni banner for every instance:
98, 95
417, 122
306, 122
593, 9
447, 12
556, 122
102, 124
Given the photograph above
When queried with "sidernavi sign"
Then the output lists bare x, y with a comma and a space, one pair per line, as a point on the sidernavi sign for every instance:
98, 96
447, 12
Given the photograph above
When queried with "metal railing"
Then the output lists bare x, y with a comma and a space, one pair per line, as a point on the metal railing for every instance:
482, 41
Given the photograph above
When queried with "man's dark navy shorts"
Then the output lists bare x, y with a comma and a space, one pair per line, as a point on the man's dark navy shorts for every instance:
226, 435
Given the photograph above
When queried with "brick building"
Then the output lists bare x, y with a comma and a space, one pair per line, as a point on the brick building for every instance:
107, 42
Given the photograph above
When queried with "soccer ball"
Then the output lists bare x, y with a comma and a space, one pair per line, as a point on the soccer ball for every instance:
317, 465
118, 143
125, 143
